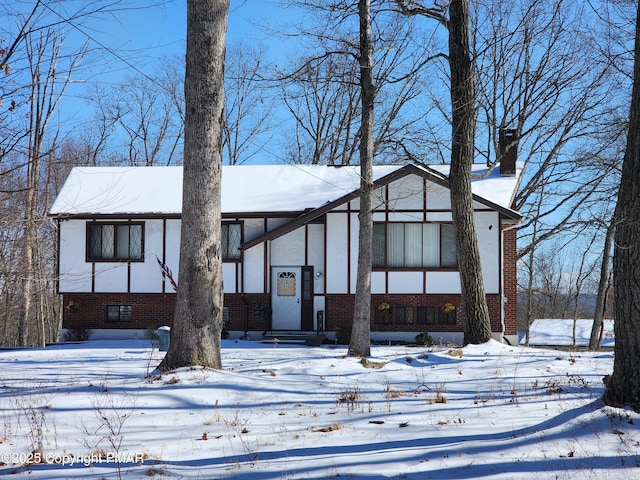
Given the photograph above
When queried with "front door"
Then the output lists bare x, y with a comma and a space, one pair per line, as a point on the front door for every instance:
286, 284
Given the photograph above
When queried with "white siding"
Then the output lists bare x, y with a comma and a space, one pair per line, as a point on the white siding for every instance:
172, 248
315, 254
229, 277
488, 230
146, 277
406, 194
378, 282
406, 282
437, 197
254, 269
111, 277
443, 282
406, 217
288, 249
439, 217
354, 239
337, 272
253, 227
75, 273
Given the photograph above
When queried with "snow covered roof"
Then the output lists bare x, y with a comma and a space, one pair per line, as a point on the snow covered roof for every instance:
245, 188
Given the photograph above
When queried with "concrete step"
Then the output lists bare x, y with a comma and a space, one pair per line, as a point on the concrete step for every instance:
288, 338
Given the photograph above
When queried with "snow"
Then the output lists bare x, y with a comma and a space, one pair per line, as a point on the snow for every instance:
245, 188
487, 411
559, 332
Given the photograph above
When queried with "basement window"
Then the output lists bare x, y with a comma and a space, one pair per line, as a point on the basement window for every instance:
409, 315
119, 313
435, 316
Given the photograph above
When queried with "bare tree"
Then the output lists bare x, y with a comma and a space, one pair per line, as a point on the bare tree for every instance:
248, 106
48, 83
604, 284
197, 326
322, 95
360, 343
142, 118
324, 105
36, 67
477, 324
623, 386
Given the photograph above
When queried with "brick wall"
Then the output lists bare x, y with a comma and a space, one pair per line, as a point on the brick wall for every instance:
339, 312
510, 283
156, 310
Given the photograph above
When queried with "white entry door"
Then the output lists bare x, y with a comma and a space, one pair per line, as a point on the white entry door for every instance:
285, 298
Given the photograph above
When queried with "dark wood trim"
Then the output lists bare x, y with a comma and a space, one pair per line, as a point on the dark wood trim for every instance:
349, 212
164, 250
306, 299
57, 262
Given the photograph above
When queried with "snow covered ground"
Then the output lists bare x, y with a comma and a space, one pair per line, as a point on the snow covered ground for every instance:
491, 411
560, 332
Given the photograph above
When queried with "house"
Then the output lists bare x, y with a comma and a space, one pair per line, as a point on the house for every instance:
290, 241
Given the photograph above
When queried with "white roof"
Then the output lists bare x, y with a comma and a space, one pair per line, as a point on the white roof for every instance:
245, 188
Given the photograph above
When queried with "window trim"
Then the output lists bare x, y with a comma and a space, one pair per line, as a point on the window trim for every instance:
440, 267
90, 259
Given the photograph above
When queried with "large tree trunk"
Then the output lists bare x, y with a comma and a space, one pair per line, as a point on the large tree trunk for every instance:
360, 343
623, 386
477, 325
197, 326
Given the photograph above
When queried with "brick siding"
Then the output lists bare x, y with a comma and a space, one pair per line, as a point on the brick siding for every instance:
510, 283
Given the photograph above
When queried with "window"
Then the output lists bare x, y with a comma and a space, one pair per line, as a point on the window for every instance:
435, 315
405, 314
114, 241
119, 313
414, 245
286, 286
231, 240
409, 315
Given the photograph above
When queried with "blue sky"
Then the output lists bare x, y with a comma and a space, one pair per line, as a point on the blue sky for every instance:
163, 29
131, 41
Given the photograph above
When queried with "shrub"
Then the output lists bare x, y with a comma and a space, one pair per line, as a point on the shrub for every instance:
343, 336
75, 335
424, 339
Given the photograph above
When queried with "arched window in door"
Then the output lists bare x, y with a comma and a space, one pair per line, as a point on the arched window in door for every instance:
286, 284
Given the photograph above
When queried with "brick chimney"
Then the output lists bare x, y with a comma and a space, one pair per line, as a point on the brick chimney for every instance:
508, 144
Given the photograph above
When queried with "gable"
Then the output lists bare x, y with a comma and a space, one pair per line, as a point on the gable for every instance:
407, 185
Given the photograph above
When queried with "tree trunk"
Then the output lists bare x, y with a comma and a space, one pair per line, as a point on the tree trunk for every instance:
598, 317
477, 325
28, 240
623, 386
197, 326
360, 343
